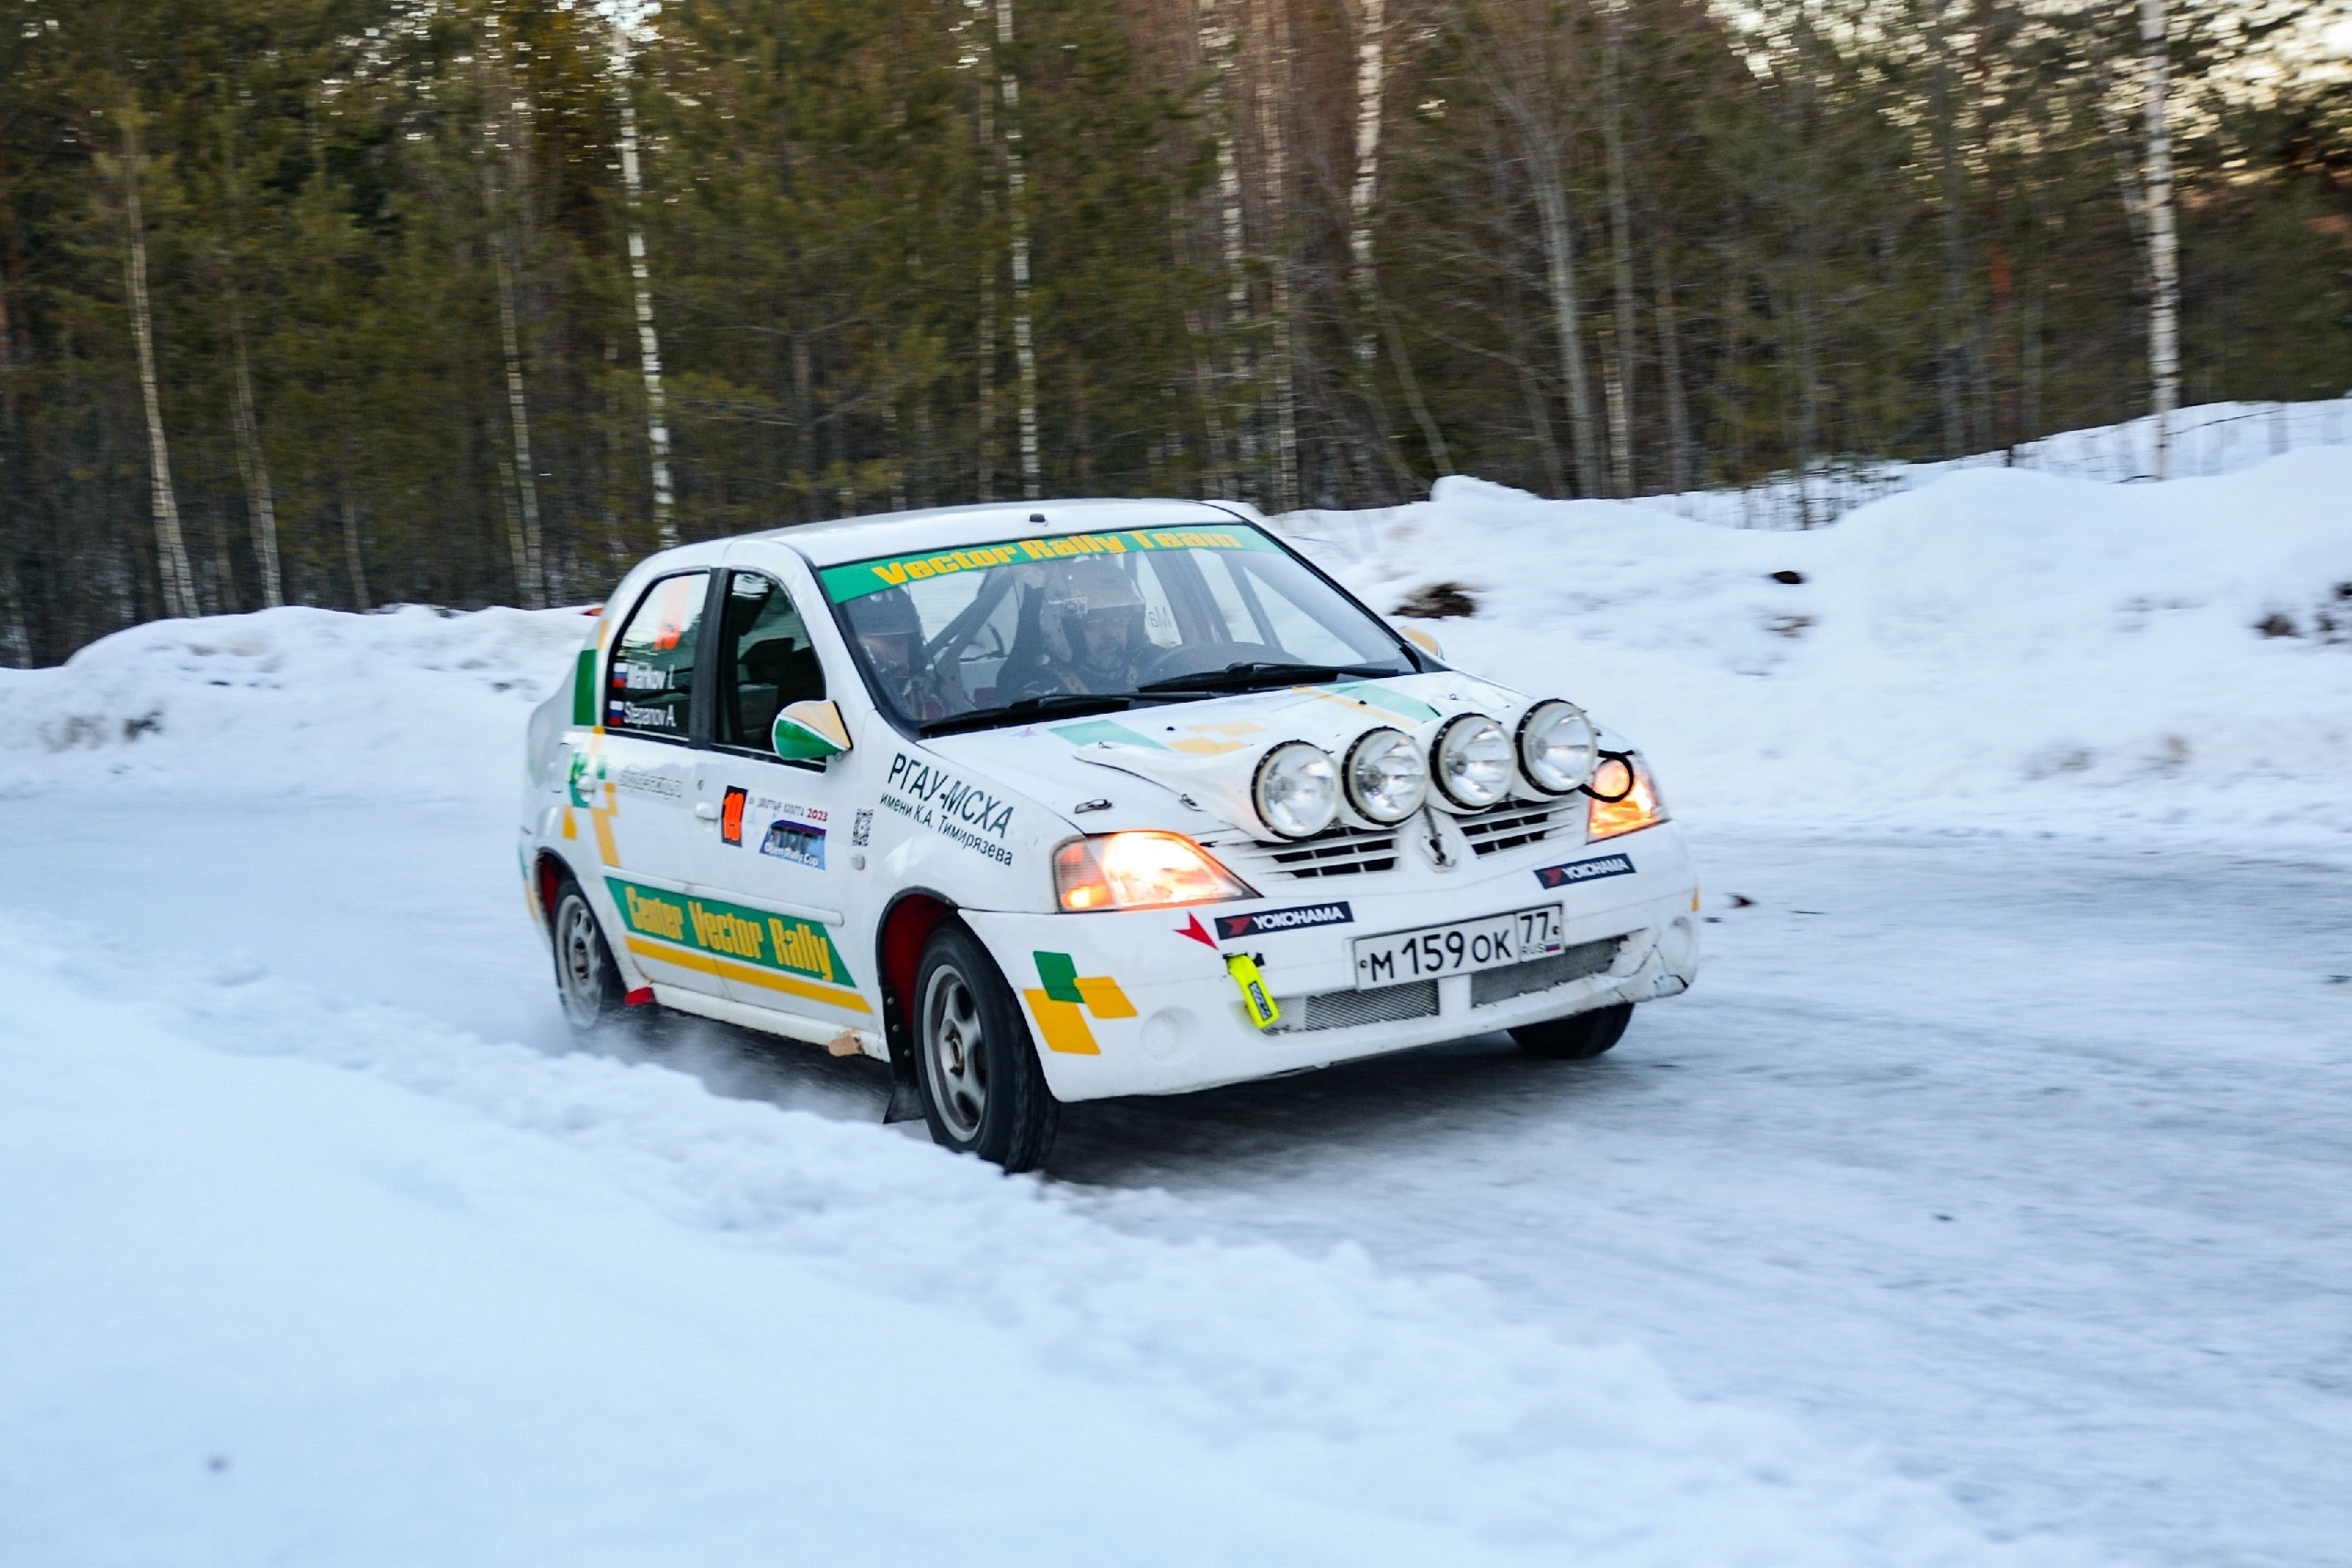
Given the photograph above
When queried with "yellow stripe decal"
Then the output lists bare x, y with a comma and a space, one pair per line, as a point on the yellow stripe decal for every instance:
726, 969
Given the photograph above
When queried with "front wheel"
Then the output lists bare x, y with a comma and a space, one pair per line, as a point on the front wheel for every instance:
982, 1091
1576, 1039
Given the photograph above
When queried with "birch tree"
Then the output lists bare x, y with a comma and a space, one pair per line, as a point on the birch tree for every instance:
1371, 79
1016, 196
2164, 259
171, 545
505, 165
648, 342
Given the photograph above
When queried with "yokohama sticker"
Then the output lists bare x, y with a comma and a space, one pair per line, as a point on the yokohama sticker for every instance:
1267, 922
1585, 870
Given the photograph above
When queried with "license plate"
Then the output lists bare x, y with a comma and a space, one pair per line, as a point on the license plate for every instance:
1462, 948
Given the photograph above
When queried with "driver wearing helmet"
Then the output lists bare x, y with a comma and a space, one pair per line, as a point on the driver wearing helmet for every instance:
1090, 620
890, 633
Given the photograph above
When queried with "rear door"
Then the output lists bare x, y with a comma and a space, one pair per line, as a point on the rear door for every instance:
781, 862
639, 778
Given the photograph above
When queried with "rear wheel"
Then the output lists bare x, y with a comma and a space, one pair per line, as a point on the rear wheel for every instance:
1575, 1039
982, 1091
587, 982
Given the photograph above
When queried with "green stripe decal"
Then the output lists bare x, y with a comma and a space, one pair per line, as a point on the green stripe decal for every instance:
1057, 971
1103, 730
1397, 703
583, 688
780, 942
858, 579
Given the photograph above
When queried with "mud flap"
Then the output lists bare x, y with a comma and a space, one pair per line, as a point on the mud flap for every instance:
906, 1103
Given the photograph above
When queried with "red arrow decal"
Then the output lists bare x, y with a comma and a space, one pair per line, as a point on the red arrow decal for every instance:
1198, 932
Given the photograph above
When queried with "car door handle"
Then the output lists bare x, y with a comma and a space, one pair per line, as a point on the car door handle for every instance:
707, 811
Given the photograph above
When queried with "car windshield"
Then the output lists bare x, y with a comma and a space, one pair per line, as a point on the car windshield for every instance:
988, 633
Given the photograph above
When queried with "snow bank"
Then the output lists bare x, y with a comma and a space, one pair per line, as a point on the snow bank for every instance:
411, 700
466, 1302
1998, 646
2206, 440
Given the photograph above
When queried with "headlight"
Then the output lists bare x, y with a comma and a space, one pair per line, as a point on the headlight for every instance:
1297, 790
1473, 758
1140, 870
1385, 775
1624, 799
1557, 746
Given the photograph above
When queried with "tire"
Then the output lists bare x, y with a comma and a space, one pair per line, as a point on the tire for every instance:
975, 1067
587, 982
1575, 1039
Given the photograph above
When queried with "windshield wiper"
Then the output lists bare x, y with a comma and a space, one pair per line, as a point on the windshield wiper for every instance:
1056, 703
1254, 672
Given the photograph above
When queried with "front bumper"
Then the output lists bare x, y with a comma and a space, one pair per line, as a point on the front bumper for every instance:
1139, 1001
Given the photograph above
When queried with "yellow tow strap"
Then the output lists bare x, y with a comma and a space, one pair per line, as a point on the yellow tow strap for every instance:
1254, 998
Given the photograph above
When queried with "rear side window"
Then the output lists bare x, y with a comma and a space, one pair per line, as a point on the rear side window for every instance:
769, 663
650, 687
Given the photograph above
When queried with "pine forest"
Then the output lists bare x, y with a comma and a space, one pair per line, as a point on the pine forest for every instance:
357, 302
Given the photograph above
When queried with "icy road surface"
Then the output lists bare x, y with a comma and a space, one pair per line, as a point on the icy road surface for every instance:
2026, 1162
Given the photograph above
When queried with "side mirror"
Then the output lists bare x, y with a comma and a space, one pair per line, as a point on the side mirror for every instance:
1423, 641
810, 732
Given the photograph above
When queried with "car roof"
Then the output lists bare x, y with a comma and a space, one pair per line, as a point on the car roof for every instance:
950, 527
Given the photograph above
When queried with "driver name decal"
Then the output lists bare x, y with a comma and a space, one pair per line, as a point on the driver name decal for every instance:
956, 808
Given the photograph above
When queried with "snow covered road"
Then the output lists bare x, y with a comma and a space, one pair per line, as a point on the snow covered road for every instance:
1987, 1202
2023, 1161
2027, 1161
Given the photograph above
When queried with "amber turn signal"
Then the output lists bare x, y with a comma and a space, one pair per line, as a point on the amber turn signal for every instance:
1636, 805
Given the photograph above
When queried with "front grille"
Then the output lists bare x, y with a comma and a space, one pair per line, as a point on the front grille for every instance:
1335, 851
1344, 1010
1353, 851
1509, 826
1492, 985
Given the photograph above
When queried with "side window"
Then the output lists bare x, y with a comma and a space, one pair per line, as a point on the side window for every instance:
651, 684
767, 661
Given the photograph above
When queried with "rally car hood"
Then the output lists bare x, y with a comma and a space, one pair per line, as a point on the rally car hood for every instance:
1167, 766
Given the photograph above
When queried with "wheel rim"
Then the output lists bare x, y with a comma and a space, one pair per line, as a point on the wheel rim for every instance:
952, 1054
579, 964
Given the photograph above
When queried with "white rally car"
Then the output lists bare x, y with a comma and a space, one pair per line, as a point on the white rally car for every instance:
1048, 802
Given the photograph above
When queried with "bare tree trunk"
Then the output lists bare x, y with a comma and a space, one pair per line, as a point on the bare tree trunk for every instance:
1951, 348
502, 137
1370, 82
1678, 406
1621, 226
1560, 276
253, 463
1024, 348
803, 419
2164, 258
985, 439
1215, 42
1411, 386
171, 547
529, 583
1271, 131
14, 632
353, 558
649, 343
